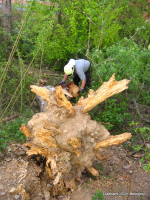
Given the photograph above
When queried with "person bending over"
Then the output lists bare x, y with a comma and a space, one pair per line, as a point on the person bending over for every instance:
80, 71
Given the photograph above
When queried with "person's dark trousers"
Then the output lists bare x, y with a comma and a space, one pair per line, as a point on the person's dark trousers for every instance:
76, 78
88, 78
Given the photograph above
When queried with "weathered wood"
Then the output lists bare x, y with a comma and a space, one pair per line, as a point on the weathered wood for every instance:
93, 171
65, 136
73, 89
41, 91
23, 193
76, 145
62, 100
37, 150
113, 140
24, 129
107, 90
67, 93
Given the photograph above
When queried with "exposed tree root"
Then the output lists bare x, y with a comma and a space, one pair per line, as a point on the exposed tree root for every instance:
66, 137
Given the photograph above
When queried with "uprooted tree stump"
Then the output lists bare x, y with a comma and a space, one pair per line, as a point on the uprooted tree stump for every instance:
66, 137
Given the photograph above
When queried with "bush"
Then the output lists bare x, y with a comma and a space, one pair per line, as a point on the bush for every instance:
128, 61
67, 29
112, 115
15, 92
10, 132
141, 138
98, 196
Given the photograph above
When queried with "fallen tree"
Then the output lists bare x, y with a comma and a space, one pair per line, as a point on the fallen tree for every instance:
66, 138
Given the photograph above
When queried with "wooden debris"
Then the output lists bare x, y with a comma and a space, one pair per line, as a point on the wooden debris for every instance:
23, 193
43, 82
93, 171
55, 182
41, 91
37, 150
113, 140
62, 101
100, 157
49, 172
52, 163
24, 129
46, 136
76, 145
107, 90
67, 93
73, 89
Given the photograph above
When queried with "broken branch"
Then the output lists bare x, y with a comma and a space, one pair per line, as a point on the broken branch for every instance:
113, 140
107, 90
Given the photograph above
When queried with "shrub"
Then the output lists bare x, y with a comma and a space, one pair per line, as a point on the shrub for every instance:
10, 132
67, 29
15, 92
128, 61
98, 196
113, 115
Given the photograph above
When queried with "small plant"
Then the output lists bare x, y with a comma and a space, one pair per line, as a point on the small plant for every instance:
98, 196
146, 167
100, 166
10, 132
141, 138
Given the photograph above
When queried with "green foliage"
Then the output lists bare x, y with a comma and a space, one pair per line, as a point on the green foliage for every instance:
113, 114
98, 196
134, 16
141, 138
15, 89
67, 29
10, 132
146, 167
127, 60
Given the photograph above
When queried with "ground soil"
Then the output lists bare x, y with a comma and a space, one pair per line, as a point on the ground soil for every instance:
121, 177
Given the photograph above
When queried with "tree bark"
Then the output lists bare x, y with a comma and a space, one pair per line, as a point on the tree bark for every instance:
6, 10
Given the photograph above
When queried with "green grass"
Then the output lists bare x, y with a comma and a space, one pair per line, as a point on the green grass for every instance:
98, 196
9, 132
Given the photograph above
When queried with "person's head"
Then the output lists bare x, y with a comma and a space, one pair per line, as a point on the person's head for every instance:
69, 68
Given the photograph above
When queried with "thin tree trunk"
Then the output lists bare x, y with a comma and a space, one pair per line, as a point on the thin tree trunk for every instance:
6, 10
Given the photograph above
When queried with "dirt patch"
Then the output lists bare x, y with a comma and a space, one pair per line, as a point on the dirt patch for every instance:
120, 175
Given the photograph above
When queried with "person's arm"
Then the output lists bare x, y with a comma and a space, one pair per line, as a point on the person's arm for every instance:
83, 84
64, 79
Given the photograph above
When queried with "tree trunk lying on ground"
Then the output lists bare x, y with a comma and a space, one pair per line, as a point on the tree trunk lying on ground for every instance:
66, 137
